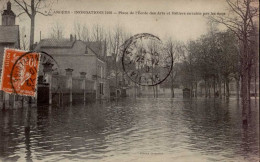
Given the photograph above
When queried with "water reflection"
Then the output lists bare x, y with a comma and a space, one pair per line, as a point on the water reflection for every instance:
134, 130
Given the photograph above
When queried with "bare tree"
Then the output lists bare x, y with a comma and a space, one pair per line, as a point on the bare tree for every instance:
174, 49
116, 37
81, 31
32, 8
151, 58
98, 33
241, 20
57, 31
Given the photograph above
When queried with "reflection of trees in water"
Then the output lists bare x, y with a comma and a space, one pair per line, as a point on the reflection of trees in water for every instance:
215, 129
250, 133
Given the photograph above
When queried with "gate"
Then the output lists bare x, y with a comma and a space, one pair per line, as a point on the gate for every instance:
43, 94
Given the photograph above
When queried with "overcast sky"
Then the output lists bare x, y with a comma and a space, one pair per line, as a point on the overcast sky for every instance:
179, 27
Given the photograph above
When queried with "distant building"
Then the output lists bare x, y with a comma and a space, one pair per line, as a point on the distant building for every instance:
88, 57
9, 38
9, 32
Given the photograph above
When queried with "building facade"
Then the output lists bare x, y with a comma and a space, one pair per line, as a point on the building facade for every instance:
9, 38
9, 32
81, 57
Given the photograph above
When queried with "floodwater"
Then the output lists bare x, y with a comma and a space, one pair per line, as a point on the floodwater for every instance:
143, 129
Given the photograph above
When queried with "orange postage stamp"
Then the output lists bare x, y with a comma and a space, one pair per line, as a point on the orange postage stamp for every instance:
20, 72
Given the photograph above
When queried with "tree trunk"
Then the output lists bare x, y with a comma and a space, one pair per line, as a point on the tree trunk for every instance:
237, 88
244, 81
220, 88
135, 90
153, 91
244, 93
227, 88
156, 91
214, 87
224, 89
172, 87
209, 90
206, 91
255, 81
116, 75
116, 85
191, 91
32, 31
201, 91
196, 89
249, 85
172, 91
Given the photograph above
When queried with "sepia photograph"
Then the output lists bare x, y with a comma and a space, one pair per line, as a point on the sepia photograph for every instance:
129, 80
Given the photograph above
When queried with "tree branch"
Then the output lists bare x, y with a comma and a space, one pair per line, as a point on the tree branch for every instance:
23, 7
236, 8
37, 4
231, 27
21, 14
44, 14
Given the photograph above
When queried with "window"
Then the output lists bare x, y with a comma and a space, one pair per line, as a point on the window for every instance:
101, 85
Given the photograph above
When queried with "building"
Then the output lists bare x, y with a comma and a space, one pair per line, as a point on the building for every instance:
9, 32
9, 38
81, 57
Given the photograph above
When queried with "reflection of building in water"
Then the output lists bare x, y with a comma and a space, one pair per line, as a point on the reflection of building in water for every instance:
9, 38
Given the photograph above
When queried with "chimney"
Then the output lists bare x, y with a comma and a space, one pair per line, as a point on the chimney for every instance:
9, 6
71, 37
8, 16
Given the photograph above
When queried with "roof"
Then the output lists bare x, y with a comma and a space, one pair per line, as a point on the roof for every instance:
9, 34
56, 43
95, 46
8, 12
66, 46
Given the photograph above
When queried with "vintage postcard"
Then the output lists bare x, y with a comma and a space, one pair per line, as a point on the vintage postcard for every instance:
129, 80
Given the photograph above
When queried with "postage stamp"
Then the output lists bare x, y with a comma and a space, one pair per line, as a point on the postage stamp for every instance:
145, 59
20, 72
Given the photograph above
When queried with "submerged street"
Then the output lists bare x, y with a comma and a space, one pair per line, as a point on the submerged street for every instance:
142, 129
